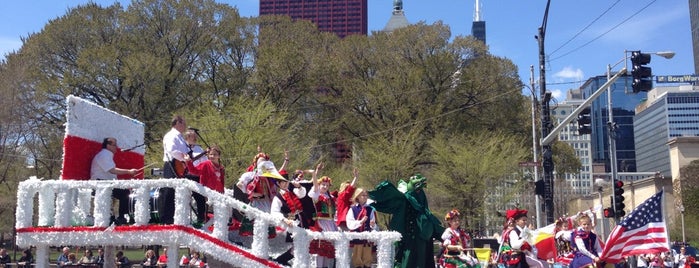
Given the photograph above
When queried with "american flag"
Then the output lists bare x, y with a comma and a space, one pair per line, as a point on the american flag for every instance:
642, 232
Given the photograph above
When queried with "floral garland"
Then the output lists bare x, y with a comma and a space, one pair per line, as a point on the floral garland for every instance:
57, 195
139, 235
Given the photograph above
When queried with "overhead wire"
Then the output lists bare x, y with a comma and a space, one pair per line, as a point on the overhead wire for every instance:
603, 34
585, 28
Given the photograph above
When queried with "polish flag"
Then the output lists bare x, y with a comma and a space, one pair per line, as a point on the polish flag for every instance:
87, 125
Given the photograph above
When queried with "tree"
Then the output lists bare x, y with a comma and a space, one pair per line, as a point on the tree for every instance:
466, 167
688, 191
564, 158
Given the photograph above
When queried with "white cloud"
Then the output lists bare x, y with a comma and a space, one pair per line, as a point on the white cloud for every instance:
557, 94
569, 73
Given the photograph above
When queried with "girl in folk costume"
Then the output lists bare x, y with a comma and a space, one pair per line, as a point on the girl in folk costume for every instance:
361, 218
211, 173
455, 242
519, 238
585, 245
287, 203
562, 234
324, 217
307, 220
344, 200
260, 187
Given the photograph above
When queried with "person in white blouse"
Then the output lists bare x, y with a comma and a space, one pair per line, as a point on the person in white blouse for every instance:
681, 258
521, 240
586, 246
287, 204
361, 218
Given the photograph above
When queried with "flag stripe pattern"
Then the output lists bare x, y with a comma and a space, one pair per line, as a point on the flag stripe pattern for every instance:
642, 232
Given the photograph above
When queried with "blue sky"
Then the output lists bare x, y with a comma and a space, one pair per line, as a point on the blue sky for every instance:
582, 37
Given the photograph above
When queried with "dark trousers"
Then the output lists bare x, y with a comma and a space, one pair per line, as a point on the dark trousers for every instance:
199, 199
123, 196
166, 198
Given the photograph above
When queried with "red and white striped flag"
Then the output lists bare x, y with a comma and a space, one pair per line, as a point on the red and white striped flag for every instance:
643, 231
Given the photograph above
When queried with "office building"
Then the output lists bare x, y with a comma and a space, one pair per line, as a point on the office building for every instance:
694, 22
478, 25
575, 183
624, 103
342, 17
669, 112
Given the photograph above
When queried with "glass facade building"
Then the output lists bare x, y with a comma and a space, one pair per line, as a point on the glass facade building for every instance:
340, 17
624, 102
694, 23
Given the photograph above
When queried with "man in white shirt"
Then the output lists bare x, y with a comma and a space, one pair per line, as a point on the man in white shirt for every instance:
104, 168
174, 149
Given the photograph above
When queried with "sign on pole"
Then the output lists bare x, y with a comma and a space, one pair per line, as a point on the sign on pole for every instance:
529, 164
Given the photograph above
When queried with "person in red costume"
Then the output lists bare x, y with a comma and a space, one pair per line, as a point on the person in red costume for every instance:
519, 239
344, 201
211, 173
325, 215
287, 204
455, 242
260, 188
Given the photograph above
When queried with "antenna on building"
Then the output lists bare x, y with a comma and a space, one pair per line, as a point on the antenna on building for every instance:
477, 11
478, 26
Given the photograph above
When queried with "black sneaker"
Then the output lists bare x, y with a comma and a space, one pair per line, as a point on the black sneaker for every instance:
120, 221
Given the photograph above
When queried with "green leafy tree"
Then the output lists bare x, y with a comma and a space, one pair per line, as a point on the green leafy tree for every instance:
689, 193
467, 166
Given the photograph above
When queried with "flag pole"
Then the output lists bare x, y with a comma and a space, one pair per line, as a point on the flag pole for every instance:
665, 219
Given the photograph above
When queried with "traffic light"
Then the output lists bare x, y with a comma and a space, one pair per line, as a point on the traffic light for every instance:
584, 122
642, 75
608, 213
619, 199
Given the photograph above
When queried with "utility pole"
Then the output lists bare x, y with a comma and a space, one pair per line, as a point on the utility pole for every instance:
535, 146
546, 124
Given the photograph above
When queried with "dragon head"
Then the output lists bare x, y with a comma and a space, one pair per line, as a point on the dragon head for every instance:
417, 182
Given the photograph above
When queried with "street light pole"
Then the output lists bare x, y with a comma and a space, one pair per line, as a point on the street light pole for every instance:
611, 132
684, 241
611, 125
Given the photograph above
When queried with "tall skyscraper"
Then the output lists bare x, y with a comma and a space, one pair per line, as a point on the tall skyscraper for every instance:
478, 26
623, 104
694, 23
342, 17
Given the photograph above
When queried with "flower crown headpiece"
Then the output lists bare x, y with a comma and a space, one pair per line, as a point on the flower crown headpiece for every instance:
298, 175
325, 179
453, 213
258, 156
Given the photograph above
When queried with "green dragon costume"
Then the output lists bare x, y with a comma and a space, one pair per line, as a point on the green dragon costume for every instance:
412, 218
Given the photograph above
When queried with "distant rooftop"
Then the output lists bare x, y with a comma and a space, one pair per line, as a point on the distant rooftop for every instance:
398, 19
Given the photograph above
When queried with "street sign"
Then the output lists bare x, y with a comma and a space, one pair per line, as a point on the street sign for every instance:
529, 164
676, 79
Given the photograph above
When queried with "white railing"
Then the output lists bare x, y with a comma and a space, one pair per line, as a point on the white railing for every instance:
68, 203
